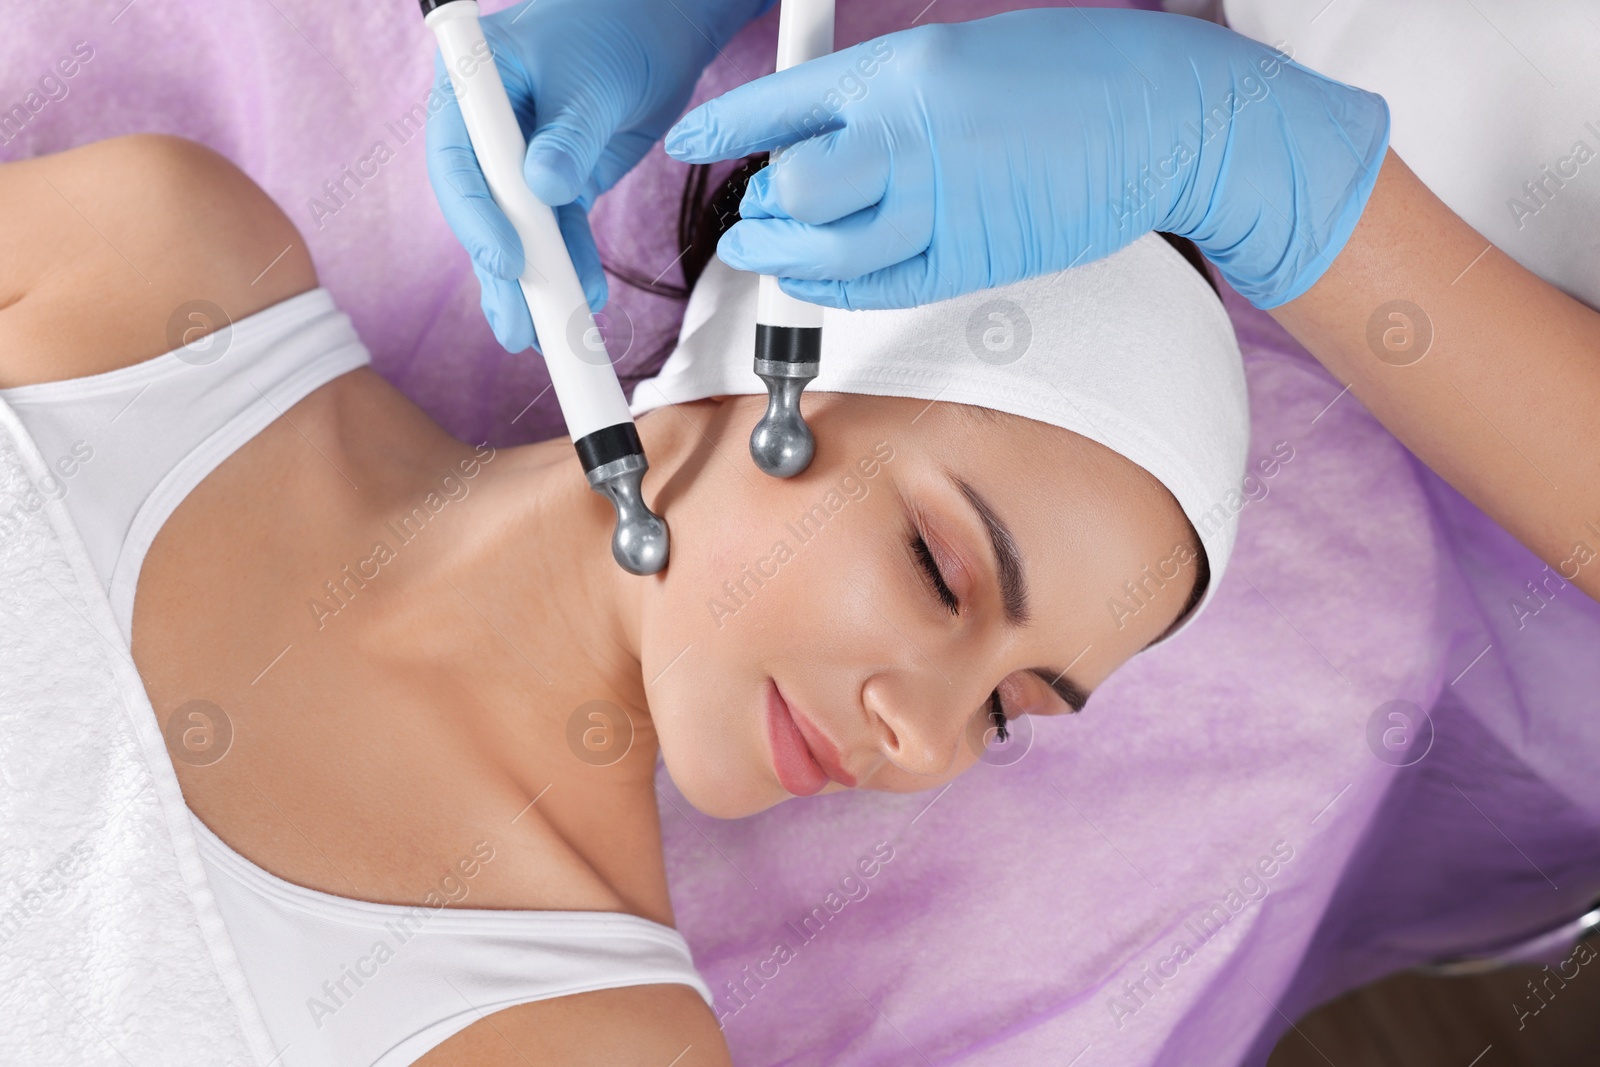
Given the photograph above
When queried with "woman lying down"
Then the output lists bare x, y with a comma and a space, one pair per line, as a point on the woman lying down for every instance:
414, 706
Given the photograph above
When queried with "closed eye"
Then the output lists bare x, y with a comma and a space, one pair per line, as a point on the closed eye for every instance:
931, 573
995, 707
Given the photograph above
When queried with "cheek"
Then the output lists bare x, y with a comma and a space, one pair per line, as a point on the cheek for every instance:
786, 590
767, 566
727, 572
700, 661
735, 598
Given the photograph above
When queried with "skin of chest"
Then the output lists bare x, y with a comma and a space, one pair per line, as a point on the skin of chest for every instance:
308, 595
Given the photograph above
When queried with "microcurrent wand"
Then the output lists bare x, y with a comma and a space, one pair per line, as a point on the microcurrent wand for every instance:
585, 383
789, 331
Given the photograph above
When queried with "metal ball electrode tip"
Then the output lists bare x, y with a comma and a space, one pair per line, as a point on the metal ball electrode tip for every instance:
781, 443
640, 543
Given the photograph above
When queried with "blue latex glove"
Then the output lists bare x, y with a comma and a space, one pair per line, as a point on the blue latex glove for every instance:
949, 158
609, 76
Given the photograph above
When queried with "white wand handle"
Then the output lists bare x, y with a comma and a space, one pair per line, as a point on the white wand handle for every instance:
580, 370
788, 348
805, 32
586, 385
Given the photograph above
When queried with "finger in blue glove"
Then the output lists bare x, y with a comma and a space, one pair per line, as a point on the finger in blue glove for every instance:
948, 158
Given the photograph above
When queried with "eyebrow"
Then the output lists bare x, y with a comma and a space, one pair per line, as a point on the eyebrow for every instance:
1069, 691
1013, 585
1014, 590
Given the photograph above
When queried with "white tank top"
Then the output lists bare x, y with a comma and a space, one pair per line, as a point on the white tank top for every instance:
338, 982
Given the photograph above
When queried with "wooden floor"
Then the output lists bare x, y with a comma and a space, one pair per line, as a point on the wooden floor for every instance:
1486, 1021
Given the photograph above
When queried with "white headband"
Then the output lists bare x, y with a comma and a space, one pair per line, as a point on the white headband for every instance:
1134, 351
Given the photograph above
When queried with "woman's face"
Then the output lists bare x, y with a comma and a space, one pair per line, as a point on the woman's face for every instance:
930, 554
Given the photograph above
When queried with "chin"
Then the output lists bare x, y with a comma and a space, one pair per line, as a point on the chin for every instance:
710, 742
716, 781
711, 795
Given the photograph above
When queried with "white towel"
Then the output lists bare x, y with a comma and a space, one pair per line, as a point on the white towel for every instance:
111, 948
1133, 351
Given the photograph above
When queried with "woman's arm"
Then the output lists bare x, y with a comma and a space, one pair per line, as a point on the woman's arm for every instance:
1504, 402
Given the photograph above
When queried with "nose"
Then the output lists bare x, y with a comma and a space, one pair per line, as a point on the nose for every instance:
926, 720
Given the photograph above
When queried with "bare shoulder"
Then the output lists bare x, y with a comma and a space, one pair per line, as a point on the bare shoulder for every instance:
103, 245
648, 1024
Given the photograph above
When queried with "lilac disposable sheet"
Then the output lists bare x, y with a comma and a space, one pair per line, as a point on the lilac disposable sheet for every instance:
1212, 848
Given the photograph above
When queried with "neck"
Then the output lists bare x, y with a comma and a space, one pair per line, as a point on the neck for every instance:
537, 559
555, 533
511, 614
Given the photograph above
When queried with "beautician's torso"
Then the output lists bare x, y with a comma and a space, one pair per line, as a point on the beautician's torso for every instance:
363, 764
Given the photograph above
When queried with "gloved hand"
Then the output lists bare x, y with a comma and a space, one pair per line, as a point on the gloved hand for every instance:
948, 158
607, 76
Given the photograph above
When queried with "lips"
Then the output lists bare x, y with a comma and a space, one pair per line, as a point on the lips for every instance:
805, 760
